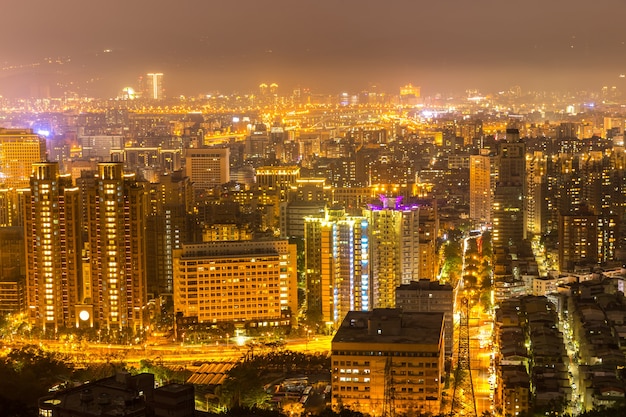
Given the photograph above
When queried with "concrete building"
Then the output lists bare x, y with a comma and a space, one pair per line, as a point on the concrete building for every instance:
12, 270
52, 233
19, 149
337, 266
480, 189
117, 207
385, 360
510, 192
207, 167
121, 395
394, 248
425, 296
252, 283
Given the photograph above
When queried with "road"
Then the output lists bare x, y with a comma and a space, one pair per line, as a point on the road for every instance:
84, 353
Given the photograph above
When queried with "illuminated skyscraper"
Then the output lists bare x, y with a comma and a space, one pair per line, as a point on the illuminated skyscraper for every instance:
394, 248
52, 233
337, 265
19, 150
154, 86
116, 211
170, 202
480, 189
508, 201
536, 185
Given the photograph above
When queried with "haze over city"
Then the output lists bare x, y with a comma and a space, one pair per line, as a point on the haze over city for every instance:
97, 48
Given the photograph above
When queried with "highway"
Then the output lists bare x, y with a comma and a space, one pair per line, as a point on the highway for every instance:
86, 353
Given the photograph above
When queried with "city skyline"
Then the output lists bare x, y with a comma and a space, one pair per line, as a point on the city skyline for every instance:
234, 46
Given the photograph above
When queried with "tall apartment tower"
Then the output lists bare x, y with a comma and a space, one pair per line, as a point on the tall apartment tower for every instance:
508, 201
154, 86
536, 186
336, 259
171, 199
53, 248
578, 240
117, 209
480, 189
394, 248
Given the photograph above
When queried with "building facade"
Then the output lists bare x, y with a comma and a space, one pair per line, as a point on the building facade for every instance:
249, 282
394, 245
337, 266
52, 236
429, 296
387, 361
117, 208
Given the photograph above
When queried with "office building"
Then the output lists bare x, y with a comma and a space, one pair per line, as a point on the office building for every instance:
52, 232
425, 296
117, 207
207, 167
337, 266
252, 283
387, 361
19, 149
154, 86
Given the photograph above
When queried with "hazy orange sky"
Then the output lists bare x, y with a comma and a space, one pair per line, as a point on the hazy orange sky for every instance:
328, 45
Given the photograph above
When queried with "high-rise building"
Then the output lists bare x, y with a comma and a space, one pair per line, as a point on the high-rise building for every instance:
171, 200
249, 282
387, 361
536, 185
117, 207
578, 240
394, 248
154, 86
19, 149
207, 167
337, 266
53, 242
508, 200
480, 189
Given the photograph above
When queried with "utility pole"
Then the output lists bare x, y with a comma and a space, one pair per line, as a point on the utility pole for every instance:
463, 400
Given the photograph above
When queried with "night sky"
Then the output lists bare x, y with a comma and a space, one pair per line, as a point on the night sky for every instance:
234, 45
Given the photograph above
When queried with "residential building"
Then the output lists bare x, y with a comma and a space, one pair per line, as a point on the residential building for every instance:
52, 233
337, 266
117, 207
394, 248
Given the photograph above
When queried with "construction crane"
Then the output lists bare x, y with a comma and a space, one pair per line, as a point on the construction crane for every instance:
463, 399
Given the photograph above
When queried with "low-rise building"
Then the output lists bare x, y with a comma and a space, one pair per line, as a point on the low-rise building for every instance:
387, 359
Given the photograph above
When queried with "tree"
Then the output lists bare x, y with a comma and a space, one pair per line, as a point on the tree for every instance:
27, 374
